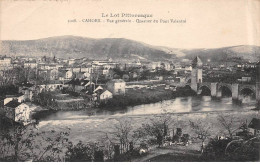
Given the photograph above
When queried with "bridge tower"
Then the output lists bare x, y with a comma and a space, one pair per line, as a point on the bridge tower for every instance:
257, 91
196, 73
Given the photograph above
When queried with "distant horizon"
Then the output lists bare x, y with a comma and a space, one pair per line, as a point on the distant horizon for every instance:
208, 24
126, 39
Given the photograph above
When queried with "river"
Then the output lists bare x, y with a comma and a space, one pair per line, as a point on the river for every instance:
89, 126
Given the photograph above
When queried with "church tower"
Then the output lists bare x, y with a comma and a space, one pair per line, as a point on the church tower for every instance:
258, 84
196, 73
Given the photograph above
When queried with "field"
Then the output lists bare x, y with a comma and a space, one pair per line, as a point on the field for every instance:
93, 128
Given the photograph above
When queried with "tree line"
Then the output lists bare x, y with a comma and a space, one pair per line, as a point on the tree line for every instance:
124, 142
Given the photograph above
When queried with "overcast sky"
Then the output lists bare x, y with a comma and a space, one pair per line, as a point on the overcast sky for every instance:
209, 23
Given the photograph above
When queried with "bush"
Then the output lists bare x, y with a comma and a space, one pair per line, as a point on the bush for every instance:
238, 151
215, 149
79, 153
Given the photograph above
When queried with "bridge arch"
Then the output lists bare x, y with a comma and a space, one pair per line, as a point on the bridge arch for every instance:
247, 91
207, 85
225, 89
188, 86
225, 85
205, 90
188, 79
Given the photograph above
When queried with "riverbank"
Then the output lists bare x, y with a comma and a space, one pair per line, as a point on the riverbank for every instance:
92, 128
135, 97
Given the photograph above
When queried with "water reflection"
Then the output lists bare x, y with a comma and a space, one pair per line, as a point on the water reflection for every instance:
178, 105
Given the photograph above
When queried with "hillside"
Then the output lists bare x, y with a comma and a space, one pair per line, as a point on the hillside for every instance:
120, 49
245, 52
78, 47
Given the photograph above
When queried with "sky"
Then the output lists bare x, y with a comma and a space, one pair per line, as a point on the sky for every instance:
209, 23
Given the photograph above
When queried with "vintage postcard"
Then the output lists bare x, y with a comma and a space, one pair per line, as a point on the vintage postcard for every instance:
129, 80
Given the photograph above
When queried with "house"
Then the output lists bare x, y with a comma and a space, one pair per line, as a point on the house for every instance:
160, 78
105, 95
27, 89
154, 65
49, 87
97, 89
86, 75
27, 94
71, 61
169, 79
90, 86
5, 63
40, 88
102, 94
167, 66
51, 66
62, 75
69, 75
181, 79
26, 85
8, 98
188, 68
53, 74
30, 65
10, 107
133, 75
43, 73
125, 77
110, 74
105, 71
79, 75
116, 86
20, 112
105, 64
87, 69
78, 85
76, 69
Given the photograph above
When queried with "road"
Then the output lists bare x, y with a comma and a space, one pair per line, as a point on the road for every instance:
173, 151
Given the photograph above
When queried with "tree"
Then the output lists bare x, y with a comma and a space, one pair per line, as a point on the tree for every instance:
79, 153
202, 130
46, 99
12, 76
8, 90
22, 143
50, 145
122, 130
15, 140
157, 127
121, 134
229, 124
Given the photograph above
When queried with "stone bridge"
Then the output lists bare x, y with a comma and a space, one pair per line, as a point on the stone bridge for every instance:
216, 89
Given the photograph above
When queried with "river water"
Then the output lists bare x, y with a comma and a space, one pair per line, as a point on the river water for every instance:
91, 124
177, 105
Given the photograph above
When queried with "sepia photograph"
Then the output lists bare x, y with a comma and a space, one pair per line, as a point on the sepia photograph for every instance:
129, 81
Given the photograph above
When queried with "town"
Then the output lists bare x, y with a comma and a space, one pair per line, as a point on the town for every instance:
80, 83
129, 81
33, 87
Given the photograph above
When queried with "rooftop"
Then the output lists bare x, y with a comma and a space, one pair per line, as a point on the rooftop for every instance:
196, 62
13, 104
117, 81
26, 84
77, 82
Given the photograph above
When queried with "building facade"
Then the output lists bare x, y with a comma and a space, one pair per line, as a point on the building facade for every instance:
196, 73
116, 86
